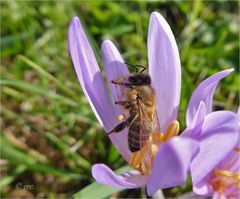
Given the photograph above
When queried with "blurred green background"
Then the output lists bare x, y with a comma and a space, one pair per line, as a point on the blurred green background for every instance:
49, 135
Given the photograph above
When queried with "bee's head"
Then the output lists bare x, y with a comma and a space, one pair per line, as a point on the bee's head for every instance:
139, 80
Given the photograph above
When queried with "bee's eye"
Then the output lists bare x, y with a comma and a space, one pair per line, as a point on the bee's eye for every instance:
133, 80
139, 80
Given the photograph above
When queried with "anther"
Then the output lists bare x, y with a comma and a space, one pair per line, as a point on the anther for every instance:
157, 137
226, 173
154, 149
172, 130
138, 156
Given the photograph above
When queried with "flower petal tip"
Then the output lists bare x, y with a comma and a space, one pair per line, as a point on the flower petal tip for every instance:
130, 180
95, 171
75, 21
202, 189
158, 16
226, 72
204, 92
230, 70
106, 42
107, 45
162, 22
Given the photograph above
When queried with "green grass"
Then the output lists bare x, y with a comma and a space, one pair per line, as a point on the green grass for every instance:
50, 137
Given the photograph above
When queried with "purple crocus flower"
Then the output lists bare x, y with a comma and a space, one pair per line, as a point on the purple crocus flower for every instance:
164, 161
216, 168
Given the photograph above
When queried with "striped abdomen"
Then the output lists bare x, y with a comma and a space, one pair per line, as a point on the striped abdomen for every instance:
137, 138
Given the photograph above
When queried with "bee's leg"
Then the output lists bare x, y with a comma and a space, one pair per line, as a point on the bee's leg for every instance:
127, 85
126, 104
122, 125
119, 127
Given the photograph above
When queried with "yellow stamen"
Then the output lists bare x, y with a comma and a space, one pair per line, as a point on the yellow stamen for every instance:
226, 173
154, 149
157, 137
219, 185
137, 157
172, 130
143, 159
146, 165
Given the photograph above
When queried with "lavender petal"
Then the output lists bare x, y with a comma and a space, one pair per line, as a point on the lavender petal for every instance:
171, 163
203, 189
164, 69
114, 67
194, 129
104, 175
204, 92
219, 136
91, 81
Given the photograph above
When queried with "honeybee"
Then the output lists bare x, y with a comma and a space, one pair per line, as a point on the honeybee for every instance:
140, 102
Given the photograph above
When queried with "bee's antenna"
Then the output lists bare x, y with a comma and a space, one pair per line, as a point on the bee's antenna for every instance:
135, 67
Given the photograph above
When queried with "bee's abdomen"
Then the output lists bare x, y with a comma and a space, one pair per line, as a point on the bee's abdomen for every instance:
134, 136
135, 140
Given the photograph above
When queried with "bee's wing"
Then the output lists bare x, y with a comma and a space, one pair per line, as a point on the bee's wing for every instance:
155, 123
147, 124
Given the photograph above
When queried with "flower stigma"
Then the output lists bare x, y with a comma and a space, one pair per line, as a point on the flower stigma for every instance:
143, 160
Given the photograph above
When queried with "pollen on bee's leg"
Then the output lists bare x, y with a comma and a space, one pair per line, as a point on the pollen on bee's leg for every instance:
121, 117
172, 130
118, 80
